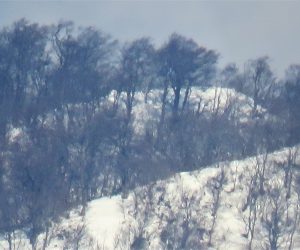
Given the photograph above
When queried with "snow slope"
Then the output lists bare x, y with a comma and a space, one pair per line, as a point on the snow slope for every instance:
217, 100
147, 108
156, 212
115, 223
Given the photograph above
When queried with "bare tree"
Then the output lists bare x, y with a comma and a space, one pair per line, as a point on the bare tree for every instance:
185, 64
252, 204
136, 70
260, 169
292, 97
184, 229
279, 217
288, 167
260, 81
215, 185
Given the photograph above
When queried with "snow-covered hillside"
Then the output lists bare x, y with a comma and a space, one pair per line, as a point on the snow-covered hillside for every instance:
147, 108
204, 208
213, 100
210, 204
125, 145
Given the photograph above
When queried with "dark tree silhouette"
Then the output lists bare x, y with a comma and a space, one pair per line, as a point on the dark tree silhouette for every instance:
184, 64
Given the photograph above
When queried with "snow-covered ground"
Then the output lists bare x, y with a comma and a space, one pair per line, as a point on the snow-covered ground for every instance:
115, 222
207, 101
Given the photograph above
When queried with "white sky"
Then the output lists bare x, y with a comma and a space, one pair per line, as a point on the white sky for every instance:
238, 30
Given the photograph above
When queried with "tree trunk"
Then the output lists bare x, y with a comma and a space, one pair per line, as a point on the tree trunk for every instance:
176, 101
186, 97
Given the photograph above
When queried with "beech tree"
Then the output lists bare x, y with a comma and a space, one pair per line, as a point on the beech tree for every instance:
292, 87
83, 63
23, 65
185, 64
136, 69
260, 81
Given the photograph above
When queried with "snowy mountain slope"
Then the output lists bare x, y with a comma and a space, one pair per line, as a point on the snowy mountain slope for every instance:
213, 100
147, 108
153, 216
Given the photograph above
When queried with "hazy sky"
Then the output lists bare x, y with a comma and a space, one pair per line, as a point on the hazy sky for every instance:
238, 30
